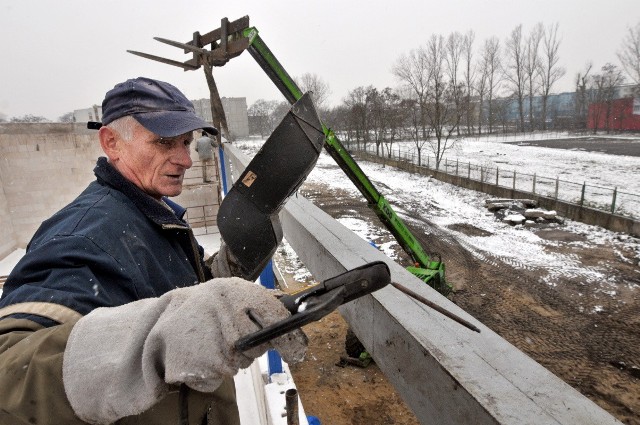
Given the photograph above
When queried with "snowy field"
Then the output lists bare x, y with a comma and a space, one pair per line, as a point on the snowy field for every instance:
569, 164
446, 204
572, 167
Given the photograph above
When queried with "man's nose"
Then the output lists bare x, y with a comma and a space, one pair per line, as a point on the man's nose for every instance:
182, 156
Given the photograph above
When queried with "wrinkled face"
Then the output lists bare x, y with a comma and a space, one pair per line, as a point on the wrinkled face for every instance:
154, 164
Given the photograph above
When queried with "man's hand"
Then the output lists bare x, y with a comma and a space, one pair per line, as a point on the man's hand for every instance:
224, 264
120, 361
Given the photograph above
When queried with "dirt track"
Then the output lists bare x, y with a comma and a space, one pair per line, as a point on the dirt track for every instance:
597, 353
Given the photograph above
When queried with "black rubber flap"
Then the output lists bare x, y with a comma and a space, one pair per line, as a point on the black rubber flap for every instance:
247, 218
251, 235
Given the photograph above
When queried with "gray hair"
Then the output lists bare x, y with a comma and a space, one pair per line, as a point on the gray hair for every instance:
124, 126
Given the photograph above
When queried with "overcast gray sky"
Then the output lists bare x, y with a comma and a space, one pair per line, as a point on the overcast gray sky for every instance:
57, 56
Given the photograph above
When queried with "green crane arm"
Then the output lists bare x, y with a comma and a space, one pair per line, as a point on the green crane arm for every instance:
432, 272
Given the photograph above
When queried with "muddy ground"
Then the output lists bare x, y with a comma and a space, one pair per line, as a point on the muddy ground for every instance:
608, 145
596, 353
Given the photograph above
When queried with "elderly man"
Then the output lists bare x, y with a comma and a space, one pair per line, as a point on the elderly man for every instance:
112, 314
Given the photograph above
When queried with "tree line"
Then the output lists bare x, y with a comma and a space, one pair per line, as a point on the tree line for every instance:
453, 86
30, 118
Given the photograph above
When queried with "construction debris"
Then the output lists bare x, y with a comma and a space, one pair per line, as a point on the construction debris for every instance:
522, 212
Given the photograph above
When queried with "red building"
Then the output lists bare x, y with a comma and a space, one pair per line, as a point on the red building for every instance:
619, 114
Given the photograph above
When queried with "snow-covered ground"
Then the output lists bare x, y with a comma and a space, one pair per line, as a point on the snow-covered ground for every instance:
446, 204
572, 167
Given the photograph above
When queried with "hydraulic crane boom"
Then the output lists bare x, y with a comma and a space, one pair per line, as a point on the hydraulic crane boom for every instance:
229, 41
432, 272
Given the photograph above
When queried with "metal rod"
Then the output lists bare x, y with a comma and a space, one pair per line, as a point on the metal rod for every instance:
291, 403
182, 65
185, 46
434, 306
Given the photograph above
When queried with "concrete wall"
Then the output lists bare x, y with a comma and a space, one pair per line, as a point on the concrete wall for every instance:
7, 236
571, 211
201, 198
43, 167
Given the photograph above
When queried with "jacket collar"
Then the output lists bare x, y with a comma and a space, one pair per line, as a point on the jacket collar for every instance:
161, 213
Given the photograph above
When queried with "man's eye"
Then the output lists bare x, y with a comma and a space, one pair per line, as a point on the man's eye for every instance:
170, 142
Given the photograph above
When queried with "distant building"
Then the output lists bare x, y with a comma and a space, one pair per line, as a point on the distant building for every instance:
616, 115
561, 109
89, 114
235, 109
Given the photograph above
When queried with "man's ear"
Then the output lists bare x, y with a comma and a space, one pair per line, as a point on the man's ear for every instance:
110, 143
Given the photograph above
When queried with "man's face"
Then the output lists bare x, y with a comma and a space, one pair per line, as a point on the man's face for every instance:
154, 164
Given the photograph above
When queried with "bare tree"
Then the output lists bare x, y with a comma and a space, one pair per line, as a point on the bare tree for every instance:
441, 111
550, 72
582, 98
469, 75
280, 109
338, 117
532, 67
490, 80
629, 53
413, 124
376, 110
29, 118
319, 88
358, 118
394, 117
261, 115
604, 86
481, 88
412, 71
514, 70
454, 49
501, 112
68, 117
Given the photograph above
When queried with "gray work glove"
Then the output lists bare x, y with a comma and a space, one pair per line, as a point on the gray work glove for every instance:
120, 361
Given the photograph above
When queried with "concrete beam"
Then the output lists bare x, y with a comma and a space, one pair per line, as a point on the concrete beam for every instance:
446, 373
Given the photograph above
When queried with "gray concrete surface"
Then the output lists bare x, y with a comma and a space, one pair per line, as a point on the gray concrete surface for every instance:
446, 373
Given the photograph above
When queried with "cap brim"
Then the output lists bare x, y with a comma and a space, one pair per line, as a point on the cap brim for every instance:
173, 123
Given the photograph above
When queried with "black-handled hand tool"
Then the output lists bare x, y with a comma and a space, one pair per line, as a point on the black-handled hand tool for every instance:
319, 300
314, 303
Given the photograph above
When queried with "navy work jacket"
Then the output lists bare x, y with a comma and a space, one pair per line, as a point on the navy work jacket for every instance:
112, 245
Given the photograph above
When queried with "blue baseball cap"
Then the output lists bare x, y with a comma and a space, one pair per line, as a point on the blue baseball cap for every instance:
158, 106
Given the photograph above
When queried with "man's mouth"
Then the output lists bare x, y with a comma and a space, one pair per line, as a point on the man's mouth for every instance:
175, 176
